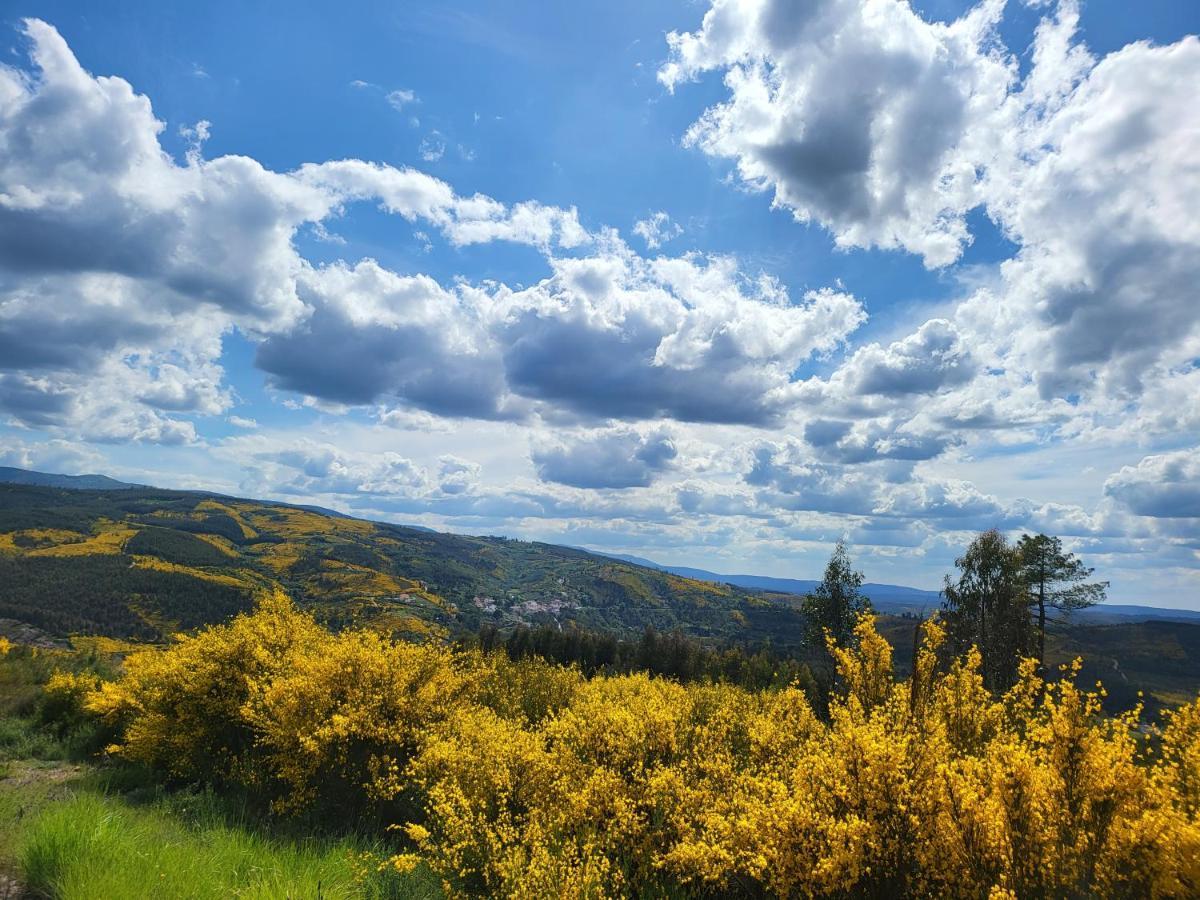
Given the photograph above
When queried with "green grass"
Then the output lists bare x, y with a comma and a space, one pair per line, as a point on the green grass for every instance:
70, 836
71, 829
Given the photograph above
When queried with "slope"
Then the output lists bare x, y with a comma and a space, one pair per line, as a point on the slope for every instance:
144, 561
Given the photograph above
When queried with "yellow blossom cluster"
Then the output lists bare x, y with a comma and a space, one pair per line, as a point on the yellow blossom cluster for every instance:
528, 780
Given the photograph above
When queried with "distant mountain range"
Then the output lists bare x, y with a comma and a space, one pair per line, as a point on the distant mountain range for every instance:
893, 599
897, 599
11, 475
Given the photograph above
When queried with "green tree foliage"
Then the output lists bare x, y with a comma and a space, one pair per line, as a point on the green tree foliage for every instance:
987, 607
835, 604
177, 547
673, 655
1056, 581
105, 595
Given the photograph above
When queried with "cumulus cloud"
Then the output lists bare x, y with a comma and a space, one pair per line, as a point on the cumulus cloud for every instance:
1164, 486
791, 479
1102, 291
614, 458
125, 261
855, 442
123, 270
618, 336
862, 117
887, 129
57, 456
932, 358
307, 468
377, 336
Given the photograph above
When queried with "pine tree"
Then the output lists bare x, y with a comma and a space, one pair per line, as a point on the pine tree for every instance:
1056, 581
836, 603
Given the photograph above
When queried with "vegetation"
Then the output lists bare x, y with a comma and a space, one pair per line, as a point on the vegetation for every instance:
672, 655
70, 829
188, 845
986, 607
526, 779
836, 604
1056, 581
142, 563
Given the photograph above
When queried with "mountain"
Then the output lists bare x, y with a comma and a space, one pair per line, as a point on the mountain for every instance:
890, 598
1116, 612
896, 599
143, 562
10, 475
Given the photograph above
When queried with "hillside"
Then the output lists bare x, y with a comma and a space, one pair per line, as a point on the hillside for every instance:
142, 562
890, 598
898, 599
11, 475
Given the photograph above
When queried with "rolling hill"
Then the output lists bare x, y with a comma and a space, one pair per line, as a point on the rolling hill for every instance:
142, 562
890, 598
11, 475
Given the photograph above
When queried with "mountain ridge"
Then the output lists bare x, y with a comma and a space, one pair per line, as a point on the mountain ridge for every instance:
888, 598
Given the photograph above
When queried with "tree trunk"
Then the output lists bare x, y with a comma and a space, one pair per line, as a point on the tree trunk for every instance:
1042, 624
983, 642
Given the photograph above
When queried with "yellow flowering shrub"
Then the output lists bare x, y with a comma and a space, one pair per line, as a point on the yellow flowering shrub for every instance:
344, 719
524, 779
187, 709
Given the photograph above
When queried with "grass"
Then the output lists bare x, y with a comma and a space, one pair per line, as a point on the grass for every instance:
72, 830
77, 833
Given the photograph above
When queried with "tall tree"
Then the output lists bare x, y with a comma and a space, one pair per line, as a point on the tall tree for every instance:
987, 607
1056, 581
836, 602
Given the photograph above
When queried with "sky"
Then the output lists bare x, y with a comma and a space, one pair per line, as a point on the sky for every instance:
714, 283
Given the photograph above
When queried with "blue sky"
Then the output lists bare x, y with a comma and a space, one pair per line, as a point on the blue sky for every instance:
715, 285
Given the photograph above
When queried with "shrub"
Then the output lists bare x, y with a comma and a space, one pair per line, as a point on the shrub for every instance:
518, 779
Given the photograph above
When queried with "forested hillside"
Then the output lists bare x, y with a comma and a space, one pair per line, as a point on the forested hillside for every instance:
140, 563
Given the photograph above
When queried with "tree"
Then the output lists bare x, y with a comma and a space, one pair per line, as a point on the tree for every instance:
987, 607
835, 604
1056, 580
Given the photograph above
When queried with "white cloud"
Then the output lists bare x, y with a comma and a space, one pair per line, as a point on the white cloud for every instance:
860, 116
1165, 486
615, 335
657, 230
56, 456
611, 458
398, 99
123, 271
432, 147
